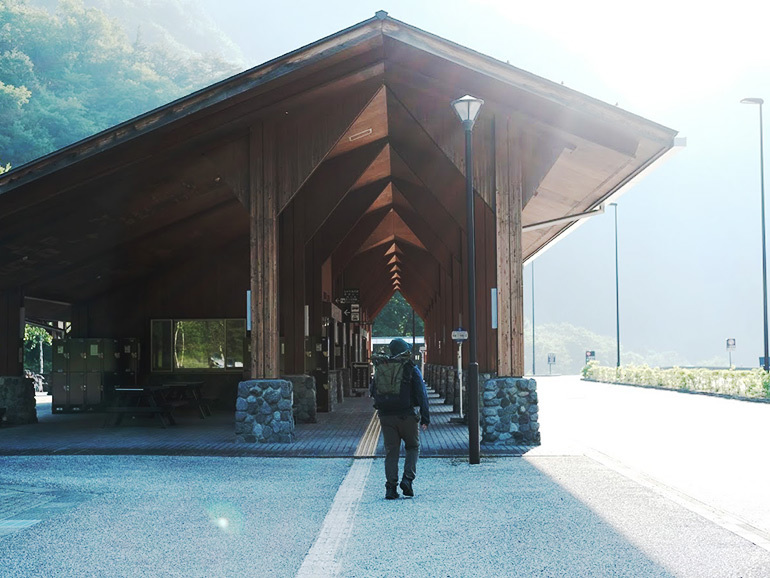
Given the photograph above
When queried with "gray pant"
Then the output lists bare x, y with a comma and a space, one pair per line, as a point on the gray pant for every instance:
394, 429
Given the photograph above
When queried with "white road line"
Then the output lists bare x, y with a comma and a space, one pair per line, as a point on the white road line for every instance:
721, 518
324, 558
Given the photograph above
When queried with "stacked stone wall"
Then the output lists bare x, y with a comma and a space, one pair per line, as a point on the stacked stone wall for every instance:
347, 382
17, 396
509, 412
263, 411
304, 405
335, 385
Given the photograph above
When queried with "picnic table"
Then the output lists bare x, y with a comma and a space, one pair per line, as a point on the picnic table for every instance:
188, 393
149, 400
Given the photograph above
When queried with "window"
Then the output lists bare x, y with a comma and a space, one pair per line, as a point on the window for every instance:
198, 344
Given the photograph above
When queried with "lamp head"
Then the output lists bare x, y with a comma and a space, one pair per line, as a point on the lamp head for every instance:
467, 108
758, 101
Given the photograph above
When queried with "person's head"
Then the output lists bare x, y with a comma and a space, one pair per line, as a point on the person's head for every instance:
398, 347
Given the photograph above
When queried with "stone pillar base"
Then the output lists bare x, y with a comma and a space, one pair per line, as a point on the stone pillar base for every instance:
17, 396
304, 397
263, 411
509, 415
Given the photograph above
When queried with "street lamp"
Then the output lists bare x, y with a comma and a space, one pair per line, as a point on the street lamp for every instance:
533, 318
617, 286
467, 108
760, 102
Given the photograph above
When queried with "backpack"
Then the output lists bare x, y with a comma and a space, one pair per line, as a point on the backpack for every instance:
392, 385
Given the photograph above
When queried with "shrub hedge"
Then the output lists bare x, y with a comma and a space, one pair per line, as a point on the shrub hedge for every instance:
753, 383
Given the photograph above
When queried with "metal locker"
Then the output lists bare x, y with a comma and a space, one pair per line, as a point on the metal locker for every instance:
78, 354
94, 355
59, 395
93, 393
77, 390
110, 355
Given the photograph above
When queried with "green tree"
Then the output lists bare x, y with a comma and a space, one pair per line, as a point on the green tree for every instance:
37, 349
395, 319
70, 74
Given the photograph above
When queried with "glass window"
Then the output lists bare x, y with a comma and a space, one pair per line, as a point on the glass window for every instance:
235, 337
198, 344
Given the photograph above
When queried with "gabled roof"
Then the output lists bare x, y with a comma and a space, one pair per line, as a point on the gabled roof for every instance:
178, 176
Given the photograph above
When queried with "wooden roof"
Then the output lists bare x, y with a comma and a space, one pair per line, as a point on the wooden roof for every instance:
362, 124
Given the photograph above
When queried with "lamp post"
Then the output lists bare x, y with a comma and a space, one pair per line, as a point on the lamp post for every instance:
617, 286
760, 102
467, 108
533, 318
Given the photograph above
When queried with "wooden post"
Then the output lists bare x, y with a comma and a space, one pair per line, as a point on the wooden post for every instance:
265, 353
510, 283
11, 333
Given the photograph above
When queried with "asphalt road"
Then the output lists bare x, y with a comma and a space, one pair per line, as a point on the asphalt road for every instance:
711, 449
564, 510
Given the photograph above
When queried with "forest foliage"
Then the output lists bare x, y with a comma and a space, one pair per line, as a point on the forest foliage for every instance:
71, 73
395, 319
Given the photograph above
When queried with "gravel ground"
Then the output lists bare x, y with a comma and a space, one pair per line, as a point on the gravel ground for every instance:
546, 516
163, 516
232, 517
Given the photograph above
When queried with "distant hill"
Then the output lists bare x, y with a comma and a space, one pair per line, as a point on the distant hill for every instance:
72, 71
183, 26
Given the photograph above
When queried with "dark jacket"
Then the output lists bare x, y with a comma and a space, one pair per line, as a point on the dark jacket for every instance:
418, 395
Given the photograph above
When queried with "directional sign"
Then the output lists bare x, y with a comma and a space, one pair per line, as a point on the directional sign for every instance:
459, 335
551, 358
349, 296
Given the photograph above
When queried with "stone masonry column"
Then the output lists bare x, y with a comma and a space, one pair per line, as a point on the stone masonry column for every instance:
263, 411
509, 414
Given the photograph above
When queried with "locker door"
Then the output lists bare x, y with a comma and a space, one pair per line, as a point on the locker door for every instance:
111, 354
58, 392
93, 393
60, 358
78, 354
94, 354
77, 385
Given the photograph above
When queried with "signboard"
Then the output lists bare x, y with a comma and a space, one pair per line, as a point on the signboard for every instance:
731, 345
551, 358
590, 355
355, 313
459, 335
349, 296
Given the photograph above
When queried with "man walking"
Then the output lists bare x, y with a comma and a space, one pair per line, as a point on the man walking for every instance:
398, 390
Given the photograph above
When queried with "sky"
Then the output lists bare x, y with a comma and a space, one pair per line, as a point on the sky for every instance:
689, 237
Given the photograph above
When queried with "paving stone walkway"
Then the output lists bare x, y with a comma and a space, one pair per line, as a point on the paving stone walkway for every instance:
337, 434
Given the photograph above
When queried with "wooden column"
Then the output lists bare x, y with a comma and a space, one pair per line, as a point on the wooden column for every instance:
11, 333
265, 352
510, 284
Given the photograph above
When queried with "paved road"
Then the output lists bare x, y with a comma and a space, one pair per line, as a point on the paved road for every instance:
555, 512
712, 449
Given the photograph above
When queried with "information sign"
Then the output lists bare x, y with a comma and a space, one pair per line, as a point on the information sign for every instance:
459, 335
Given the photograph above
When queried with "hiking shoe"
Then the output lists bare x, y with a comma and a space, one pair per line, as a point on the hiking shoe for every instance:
391, 493
406, 487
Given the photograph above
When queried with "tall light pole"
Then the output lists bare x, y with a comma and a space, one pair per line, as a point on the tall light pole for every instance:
533, 318
760, 102
467, 108
617, 285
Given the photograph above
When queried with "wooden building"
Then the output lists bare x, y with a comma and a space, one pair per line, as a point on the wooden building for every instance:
339, 166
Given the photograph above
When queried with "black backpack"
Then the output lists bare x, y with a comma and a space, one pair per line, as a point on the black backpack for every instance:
392, 385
